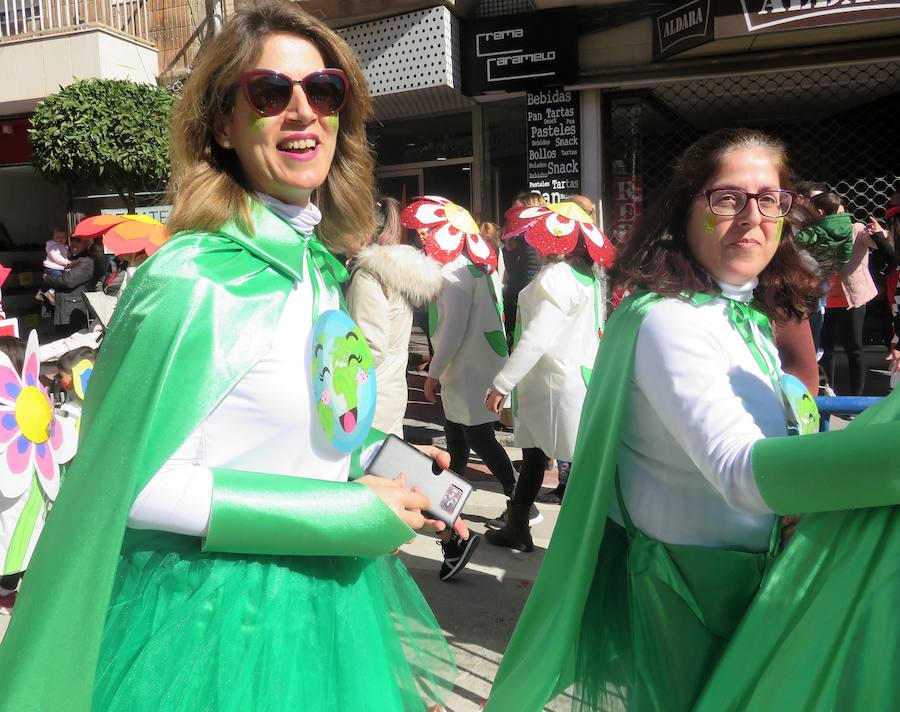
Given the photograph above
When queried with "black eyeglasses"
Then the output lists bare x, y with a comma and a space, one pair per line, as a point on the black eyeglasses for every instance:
269, 92
731, 201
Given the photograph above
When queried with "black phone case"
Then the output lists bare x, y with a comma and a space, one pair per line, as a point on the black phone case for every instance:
446, 491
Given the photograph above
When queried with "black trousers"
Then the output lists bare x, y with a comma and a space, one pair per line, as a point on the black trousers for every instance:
845, 327
531, 475
483, 440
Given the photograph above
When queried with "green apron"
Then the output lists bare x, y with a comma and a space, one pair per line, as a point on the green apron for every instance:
684, 604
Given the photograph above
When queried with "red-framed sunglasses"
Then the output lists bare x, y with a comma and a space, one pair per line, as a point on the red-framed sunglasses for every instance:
269, 92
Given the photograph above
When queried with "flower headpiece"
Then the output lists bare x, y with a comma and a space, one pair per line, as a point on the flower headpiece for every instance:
553, 229
32, 438
449, 227
124, 234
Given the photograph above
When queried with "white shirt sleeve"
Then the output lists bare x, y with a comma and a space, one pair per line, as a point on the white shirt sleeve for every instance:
683, 370
178, 498
454, 304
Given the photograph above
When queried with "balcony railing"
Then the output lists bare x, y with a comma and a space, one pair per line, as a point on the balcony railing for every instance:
21, 18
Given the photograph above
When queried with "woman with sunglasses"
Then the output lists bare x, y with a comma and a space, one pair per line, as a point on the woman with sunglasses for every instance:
209, 551
660, 589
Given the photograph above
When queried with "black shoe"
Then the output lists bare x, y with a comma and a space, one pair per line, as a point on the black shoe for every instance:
554, 496
515, 535
457, 553
534, 518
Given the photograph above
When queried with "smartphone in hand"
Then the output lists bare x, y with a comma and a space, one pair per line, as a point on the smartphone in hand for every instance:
446, 491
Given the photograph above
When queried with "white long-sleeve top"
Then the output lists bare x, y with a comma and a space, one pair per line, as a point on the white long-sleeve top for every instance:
558, 344
698, 403
464, 361
266, 423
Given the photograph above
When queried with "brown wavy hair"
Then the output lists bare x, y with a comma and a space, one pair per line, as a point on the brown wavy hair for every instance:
208, 186
657, 257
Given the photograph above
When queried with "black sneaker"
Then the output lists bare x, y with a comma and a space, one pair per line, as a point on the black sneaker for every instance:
457, 553
534, 518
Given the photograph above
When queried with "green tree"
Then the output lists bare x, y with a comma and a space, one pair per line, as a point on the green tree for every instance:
109, 131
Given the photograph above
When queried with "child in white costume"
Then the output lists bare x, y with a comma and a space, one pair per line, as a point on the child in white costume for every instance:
467, 332
556, 343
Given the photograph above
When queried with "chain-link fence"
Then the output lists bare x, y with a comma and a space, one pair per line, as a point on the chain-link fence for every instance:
839, 123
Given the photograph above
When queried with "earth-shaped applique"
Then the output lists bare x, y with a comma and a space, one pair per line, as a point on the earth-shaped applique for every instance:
343, 380
800, 407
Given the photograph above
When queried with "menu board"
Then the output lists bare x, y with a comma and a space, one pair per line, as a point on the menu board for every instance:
554, 140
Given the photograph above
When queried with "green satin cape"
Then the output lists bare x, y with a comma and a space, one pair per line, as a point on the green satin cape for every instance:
820, 635
195, 318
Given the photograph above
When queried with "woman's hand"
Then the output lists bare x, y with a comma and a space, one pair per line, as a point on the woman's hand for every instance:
405, 504
894, 358
494, 401
432, 388
872, 225
442, 458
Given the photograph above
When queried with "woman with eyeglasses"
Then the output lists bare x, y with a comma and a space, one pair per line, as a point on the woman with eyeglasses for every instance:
208, 551
663, 587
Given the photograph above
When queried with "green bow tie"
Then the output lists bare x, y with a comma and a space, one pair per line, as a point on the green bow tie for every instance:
740, 314
333, 272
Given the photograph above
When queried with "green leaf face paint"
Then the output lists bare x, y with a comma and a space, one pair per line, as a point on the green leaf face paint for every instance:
257, 122
709, 223
334, 122
779, 226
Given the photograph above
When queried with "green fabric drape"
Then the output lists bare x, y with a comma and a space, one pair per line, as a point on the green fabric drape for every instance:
195, 318
541, 657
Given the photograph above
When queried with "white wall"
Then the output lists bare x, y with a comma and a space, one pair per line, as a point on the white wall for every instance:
36, 67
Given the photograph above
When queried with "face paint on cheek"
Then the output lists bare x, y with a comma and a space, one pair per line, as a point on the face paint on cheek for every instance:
333, 122
257, 122
709, 223
779, 226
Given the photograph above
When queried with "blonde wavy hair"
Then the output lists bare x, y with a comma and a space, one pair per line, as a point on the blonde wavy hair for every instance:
208, 187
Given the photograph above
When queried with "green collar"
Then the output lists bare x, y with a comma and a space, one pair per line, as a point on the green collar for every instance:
273, 240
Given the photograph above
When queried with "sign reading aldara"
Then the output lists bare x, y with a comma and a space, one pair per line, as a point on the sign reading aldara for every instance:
515, 52
683, 27
554, 163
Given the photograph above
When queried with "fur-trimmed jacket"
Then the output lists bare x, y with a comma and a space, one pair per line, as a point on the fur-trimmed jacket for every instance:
387, 283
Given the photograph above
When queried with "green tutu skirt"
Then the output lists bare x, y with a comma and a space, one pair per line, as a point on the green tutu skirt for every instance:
194, 631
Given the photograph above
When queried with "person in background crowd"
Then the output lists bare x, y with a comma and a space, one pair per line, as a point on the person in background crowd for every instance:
548, 371
851, 289
468, 338
56, 261
230, 562
660, 589
522, 263
892, 288
563, 467
390, 279
81, 275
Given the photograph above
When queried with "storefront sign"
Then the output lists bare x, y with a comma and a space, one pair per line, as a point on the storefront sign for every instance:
516, 52
159, 213
554, 140
698, 22
755, 16
684, 27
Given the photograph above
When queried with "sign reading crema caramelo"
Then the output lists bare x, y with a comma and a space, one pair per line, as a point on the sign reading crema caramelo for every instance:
772, 15
509, 53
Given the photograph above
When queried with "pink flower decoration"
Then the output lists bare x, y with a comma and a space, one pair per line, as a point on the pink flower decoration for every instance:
554, 230
32, 438
448, 228
325, 398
